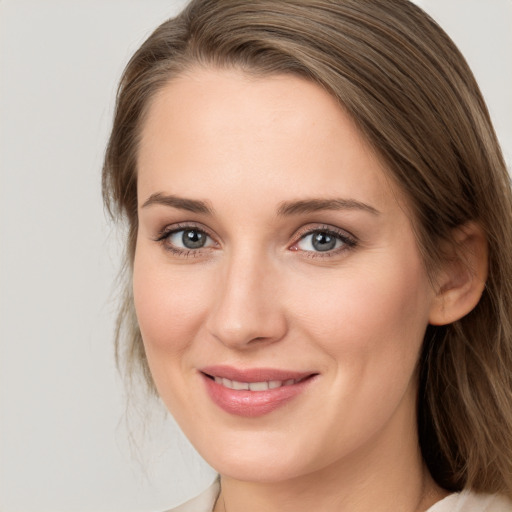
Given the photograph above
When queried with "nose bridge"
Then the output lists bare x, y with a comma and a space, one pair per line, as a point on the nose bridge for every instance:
247, 307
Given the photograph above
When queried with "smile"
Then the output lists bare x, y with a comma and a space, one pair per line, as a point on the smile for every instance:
253, 392
255, 386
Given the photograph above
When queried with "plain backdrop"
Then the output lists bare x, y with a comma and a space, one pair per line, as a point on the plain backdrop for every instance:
64, 443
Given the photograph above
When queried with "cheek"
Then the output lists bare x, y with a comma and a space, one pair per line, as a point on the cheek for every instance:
370, 321
170, 305
371, 314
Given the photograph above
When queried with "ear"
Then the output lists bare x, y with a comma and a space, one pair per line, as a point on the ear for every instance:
461, 279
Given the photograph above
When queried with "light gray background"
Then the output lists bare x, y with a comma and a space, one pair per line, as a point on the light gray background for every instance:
64, 446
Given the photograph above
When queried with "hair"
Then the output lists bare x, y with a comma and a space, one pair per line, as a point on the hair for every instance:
415, 100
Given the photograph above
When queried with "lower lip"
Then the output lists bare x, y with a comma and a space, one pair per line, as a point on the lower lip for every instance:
253, 403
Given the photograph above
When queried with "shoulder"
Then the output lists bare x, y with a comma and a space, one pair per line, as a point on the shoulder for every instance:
202, 503
468, 501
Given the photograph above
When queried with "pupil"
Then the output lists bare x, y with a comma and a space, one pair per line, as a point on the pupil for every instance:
323, 242
193, 239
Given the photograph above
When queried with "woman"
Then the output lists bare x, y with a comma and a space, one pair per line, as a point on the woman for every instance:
318, 255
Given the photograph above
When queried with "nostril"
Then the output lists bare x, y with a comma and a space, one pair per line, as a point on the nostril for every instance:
259, 339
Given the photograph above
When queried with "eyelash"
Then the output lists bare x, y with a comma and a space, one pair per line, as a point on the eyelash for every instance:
164, 234
348, 241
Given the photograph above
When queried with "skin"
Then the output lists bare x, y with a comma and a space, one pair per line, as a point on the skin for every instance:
259, 295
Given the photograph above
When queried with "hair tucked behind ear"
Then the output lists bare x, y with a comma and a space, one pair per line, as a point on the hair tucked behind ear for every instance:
414, 98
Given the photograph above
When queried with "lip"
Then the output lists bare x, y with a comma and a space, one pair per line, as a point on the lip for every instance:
249, 403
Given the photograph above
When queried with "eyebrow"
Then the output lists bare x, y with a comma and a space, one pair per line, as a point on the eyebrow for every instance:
286, 208
190, 205
315, 205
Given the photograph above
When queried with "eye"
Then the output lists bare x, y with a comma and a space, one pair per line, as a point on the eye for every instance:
185, 240
189, 239
322, 240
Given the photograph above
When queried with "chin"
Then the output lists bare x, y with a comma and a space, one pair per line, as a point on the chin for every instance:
268, 470
253, 460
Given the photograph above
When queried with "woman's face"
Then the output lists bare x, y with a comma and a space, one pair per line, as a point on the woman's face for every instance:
278, 286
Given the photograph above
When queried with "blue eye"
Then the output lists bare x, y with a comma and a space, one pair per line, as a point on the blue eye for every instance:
187, 239
323, 241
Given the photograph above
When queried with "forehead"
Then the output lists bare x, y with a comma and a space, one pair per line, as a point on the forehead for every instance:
223, 132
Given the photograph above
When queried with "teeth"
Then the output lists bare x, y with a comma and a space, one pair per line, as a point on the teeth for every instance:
258, 386
240, 385
254, 386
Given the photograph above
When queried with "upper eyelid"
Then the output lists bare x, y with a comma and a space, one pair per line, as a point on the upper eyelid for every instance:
348, 240
170, 229
183, 226
309, 229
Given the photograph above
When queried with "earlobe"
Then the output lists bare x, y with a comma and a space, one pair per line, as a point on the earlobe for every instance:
461, 280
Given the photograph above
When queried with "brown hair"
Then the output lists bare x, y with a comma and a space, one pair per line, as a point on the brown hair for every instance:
415, 99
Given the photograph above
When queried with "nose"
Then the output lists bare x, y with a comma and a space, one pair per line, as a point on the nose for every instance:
247, 310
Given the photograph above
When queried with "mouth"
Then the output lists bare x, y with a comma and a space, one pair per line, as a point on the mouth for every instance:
263, 385
253, 392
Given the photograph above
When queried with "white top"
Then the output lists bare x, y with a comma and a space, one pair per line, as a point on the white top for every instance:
465, 501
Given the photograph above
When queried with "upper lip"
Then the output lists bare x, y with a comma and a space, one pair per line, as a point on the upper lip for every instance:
253, 374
